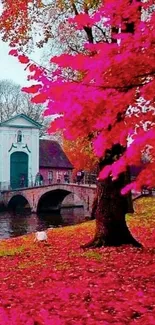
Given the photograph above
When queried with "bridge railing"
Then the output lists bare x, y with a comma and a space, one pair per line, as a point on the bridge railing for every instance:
31, 183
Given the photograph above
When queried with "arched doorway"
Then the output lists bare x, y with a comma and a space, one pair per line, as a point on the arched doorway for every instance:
18, 170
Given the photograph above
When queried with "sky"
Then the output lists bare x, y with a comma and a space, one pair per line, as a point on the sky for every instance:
10, 68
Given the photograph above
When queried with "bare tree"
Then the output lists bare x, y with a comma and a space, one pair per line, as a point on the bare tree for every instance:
14, 101
9, 96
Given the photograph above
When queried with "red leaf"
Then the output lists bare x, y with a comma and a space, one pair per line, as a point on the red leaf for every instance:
32, 67
13, 52
33, 89
40, 98
23, 59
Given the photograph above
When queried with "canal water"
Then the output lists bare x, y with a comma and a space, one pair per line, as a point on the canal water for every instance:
13, 225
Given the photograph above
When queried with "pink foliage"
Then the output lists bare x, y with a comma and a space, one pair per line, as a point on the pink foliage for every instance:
110, 80
82, 20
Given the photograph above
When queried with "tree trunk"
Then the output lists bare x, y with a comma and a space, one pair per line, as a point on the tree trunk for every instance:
110, 208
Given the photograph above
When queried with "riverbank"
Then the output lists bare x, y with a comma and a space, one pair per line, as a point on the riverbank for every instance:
57, 283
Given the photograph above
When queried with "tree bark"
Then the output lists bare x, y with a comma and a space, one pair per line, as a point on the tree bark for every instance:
111, 207
109, 210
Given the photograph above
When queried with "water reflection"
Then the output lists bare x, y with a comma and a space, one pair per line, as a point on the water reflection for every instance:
13, 225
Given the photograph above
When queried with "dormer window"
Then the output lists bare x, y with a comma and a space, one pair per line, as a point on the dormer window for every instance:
19, 136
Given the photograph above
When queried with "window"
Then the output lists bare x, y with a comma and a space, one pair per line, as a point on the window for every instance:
19, 136
50, 175
59, 176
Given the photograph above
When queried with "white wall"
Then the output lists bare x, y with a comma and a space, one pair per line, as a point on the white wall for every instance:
8, 145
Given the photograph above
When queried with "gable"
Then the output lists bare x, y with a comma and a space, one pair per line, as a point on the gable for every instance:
21, 121
52, 155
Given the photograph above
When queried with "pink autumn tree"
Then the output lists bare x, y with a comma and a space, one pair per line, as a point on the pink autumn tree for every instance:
108, 99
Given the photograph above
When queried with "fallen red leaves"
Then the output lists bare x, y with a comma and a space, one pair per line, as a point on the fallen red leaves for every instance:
57, 283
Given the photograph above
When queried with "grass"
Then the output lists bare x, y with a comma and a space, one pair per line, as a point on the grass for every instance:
11, 251
143, 220
93, 255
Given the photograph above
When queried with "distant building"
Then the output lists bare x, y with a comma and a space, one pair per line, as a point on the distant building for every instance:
25, 160
54, 165
19, 151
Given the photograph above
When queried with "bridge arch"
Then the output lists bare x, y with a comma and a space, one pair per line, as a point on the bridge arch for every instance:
53, 200
18, 202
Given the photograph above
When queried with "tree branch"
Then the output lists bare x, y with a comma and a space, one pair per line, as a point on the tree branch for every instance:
101, 30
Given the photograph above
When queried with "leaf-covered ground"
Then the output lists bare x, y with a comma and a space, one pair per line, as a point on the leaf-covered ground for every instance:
57, 283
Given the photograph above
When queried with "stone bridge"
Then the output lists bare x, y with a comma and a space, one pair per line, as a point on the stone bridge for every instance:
51, 197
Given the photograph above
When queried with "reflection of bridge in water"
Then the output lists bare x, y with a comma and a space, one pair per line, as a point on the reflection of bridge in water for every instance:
51, 197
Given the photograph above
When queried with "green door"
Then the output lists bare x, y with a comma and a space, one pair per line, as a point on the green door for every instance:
18, 170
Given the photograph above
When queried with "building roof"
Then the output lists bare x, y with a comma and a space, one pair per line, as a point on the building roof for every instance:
51, 155
23, 116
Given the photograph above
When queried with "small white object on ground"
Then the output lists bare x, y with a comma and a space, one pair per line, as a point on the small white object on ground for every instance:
41, 236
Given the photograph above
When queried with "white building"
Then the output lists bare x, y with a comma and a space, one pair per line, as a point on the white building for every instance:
19, 151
